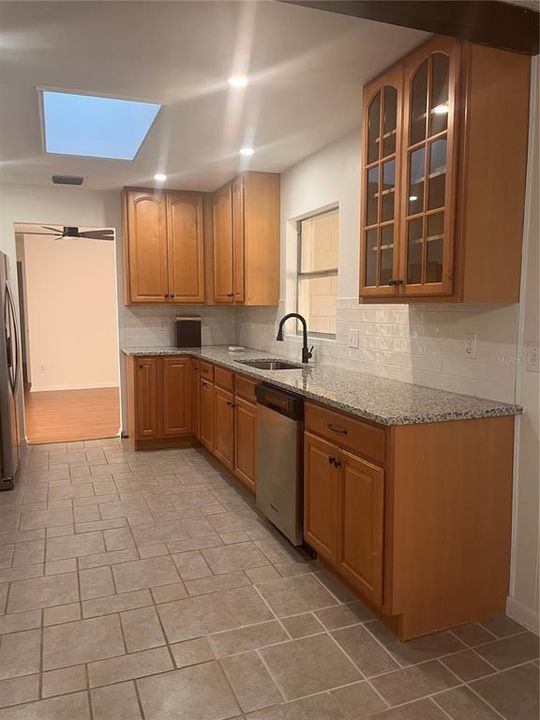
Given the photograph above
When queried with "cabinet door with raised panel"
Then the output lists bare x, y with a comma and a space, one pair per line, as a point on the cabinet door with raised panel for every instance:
322, 497
206, 414
145, 247
238, 240
195, 385
381, 143
429, 169
361, 541
176, 396
223, 246
147, 406
224, 426
186, 247
244, 441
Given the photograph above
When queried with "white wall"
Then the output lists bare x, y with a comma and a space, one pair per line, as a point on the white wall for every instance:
72, 315
523, 603
420, 343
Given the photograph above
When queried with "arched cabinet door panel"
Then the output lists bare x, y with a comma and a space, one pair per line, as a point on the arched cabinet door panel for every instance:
428, 170
145, 247
380, 185
185, 247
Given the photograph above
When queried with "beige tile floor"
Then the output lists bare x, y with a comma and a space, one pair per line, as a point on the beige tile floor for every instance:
146, 586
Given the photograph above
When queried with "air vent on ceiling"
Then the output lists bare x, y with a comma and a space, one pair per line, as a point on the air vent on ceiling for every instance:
67, 180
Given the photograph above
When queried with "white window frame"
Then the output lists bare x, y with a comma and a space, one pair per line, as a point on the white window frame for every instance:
332, 272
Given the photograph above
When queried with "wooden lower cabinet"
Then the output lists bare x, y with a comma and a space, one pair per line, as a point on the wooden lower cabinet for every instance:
195, 383
145, 391
343, 513
322, 497
206, 414
224, 426
176, 396
245, 425
159, 400
361, 528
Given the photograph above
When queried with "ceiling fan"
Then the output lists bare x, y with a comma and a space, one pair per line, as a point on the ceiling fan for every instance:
74, 233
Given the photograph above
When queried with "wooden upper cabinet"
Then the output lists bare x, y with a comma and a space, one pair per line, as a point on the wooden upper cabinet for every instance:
177, 405
444, 150
145, 247
381, 184
163, 247
223, 246
247, 241
361, 542
238, 247
429, 169
185, 247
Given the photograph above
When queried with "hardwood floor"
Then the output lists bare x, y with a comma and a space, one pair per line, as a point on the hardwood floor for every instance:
70, 415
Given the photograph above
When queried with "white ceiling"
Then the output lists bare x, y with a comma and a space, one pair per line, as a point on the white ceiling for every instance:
307, 69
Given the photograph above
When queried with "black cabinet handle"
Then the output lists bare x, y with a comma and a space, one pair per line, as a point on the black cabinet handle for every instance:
334, 461
395, 282
337, 429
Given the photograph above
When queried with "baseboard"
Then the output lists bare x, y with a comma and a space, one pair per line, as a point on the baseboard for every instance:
96, 386
522, 614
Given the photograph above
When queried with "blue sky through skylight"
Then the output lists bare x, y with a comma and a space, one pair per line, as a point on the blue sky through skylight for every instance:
95, 126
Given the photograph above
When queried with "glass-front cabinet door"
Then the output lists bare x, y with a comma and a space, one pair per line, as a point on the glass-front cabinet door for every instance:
380, 185
428, 170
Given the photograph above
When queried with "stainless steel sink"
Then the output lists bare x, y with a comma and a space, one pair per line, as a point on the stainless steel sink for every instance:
271, 364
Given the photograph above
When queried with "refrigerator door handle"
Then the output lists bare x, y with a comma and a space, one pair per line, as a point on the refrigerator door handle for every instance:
12, 342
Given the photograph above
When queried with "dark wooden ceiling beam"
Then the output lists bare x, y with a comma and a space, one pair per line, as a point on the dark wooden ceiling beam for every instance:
488, 22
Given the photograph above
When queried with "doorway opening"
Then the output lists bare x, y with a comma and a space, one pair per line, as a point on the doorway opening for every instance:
68, 312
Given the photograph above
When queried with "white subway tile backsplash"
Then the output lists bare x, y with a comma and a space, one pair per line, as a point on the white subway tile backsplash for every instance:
145, 326
422, 344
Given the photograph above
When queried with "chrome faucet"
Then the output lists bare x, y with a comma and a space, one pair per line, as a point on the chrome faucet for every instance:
307, 353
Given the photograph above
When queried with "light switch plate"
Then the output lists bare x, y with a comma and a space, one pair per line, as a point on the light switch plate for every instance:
470, 346
353, 338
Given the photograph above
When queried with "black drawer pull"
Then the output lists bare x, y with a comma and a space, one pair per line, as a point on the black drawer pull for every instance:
337, 429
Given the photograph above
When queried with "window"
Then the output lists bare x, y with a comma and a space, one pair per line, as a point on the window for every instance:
92, 126
318, 238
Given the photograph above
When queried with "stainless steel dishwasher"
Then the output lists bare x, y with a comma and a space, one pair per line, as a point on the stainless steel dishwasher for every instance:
279, 466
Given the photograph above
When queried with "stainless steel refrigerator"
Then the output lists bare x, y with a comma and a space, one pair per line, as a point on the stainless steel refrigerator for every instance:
10, 378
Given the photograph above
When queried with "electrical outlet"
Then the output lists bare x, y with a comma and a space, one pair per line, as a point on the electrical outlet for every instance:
353, 338
470, 346
532, 362
42, 368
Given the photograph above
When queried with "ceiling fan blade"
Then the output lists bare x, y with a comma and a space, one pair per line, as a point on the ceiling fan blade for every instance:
55, 230
98, 234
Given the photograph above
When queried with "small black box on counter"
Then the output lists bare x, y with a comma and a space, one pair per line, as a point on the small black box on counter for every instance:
188, 331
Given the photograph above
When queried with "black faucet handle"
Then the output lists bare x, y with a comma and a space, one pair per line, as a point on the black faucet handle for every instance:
310, 351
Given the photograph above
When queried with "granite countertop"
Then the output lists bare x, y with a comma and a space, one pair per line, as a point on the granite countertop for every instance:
383, 401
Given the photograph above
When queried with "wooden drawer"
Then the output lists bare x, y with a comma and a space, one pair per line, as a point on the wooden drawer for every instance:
206, 371
245, 388
223, 378
344, 430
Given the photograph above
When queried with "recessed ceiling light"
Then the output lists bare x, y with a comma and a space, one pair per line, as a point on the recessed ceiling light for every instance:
247, 151
160, 177
238, 81
440, 109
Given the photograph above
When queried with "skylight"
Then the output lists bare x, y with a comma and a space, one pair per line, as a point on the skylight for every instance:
95, 126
